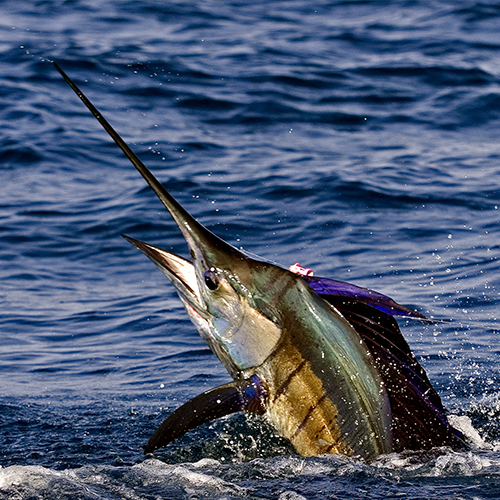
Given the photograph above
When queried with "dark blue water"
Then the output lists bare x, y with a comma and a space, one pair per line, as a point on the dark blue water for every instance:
358, 138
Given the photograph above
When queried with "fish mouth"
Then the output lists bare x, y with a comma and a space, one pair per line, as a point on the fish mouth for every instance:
180, 272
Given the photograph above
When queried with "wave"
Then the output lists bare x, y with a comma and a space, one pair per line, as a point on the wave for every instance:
281, 478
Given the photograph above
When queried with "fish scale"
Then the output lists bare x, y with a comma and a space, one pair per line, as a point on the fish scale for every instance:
298, 405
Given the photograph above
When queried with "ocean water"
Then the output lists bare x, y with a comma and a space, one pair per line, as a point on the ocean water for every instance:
359, 138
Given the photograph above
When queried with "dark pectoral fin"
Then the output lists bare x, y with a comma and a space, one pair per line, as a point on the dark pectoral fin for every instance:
418, 416
242, 395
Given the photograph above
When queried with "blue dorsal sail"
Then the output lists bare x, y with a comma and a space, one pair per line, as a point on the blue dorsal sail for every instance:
329, 287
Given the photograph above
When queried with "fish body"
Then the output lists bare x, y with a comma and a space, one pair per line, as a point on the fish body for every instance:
323, 392
323, 360
319, 386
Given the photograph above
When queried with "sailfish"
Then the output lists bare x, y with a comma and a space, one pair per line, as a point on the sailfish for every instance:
324, 361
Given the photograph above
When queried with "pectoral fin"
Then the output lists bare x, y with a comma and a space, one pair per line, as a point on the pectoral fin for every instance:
241, 395
418, 416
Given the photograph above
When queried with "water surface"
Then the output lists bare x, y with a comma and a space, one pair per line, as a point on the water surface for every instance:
360, 139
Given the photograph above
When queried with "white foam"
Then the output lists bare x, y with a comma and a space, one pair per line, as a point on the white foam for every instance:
188, 478
464, 425
460, 464
291, 495
36, 481
16, 475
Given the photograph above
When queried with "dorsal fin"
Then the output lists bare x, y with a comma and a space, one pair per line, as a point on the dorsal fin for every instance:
328, 287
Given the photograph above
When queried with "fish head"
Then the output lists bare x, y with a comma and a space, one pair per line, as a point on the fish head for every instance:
220, 290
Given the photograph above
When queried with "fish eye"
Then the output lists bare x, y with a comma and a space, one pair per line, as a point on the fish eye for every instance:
211, 280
